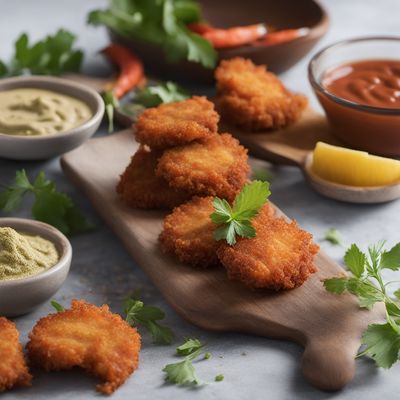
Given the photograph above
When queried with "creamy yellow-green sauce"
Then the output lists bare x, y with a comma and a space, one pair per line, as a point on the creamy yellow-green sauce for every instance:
23, 255
38, 112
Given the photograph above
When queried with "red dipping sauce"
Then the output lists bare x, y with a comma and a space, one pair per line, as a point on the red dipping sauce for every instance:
373, 83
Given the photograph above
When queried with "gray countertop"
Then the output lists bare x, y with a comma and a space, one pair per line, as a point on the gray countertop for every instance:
103, 272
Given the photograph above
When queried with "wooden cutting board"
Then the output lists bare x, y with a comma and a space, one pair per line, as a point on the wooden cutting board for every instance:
328, 326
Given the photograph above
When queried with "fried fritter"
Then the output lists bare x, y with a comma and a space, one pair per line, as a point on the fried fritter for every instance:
279, 257
217, 167
139, 187
254, 99
178, 123
89, 337
13, 368
188, 233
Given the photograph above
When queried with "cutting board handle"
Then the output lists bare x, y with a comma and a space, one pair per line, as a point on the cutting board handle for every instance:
329, 361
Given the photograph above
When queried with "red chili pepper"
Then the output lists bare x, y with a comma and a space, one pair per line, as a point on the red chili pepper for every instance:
282, 36
131, 68
231, 37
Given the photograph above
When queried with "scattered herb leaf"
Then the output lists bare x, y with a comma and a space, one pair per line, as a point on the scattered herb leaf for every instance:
53, 55
236, 220
147, 316
207, 355
181, 373
50, 206
219, 378
381, 341
57, 306
189, 347
333, 236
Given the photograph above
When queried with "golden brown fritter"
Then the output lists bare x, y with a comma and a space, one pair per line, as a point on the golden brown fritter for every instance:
89, 337
188, 233
178, 123
254, 99
279, 257
13, 368
139, 187
217, 167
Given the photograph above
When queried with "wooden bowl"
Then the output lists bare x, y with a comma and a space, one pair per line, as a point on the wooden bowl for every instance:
283, 14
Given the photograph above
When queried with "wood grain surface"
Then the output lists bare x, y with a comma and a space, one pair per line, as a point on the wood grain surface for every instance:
328, 326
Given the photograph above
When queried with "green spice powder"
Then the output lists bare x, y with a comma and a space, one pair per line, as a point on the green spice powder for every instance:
23, 255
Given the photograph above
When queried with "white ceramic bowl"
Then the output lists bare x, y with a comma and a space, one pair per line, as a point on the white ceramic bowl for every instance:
44, 147
20, 296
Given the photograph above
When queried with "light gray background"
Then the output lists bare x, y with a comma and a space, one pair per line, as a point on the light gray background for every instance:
103, 272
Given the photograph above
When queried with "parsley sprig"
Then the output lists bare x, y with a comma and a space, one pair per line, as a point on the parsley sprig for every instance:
236, 220
53, 55
381, 341
137, 313
333, 236
50, 206
183, 372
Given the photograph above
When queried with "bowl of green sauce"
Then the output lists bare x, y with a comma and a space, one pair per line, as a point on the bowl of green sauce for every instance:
34, 262
42, 117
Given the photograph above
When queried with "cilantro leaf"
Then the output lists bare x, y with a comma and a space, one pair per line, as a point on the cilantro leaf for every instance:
57, 306
382, 344
181, 373
391, 259
189, 347
355, 260
219, 378
147, 316
50, 206
336, 285
236, 220
53, 55
332, 235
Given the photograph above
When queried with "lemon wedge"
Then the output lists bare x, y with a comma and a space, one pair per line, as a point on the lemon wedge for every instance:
353, 167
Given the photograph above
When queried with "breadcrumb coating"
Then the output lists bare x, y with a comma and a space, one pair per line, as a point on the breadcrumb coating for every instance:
279, 257
254, 99
217, 167
175, 124
139, 187
188, 233
13, 369
89, 337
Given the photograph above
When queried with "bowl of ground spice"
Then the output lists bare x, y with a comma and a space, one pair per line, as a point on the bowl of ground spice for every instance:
34, 262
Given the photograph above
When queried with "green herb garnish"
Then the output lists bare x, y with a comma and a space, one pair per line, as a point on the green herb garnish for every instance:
183, 372
236, 220
57, 306
333, 236
382, 341
162, 23
110, 103
53, 55
219, 378
165, 92
137, 313
262, 174
50, 206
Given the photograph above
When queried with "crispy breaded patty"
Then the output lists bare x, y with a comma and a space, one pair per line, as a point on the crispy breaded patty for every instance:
178, 123
139, 187
217, 167
254, 99
89, 337
279, 257
188, 233
13, 368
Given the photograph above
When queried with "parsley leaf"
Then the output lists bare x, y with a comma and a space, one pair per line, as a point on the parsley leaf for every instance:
53, 55
147, 316
189, 347
165, 92
50, 206
332, 235
161, 23
181, 373
219, 378
236, 220
381, 341
57, 306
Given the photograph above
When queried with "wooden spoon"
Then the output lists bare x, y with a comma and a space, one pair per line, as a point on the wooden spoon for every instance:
294, 145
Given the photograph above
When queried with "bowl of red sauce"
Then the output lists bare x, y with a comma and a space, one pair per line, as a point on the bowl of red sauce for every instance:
357, 82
